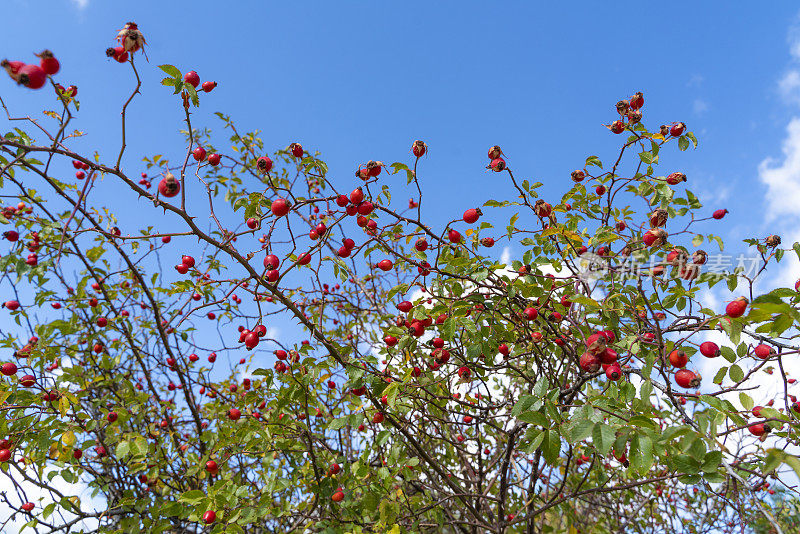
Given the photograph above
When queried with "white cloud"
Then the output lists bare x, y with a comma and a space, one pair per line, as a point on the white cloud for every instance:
789, 86
505, 256
699, 106
80, 4
783, 178
695, 81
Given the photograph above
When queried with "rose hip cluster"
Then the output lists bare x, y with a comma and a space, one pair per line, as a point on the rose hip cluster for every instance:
193, 79
31, 75
631, 113
130, 40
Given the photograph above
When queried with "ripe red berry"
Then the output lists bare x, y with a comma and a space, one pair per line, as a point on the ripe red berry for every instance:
234, 414
454, 236
487, 242
9, 368
497, 164
617, 127
763, 351
338, 496
737, 307
48, 62
357, 196
31, 76
589, 362
212, 467
209, 517
675, 178
208, 86
600, 190
678, 358
304, 258
419, 148
719, 214
385, 265
495, 152
637, 101
252, 223
405, 306
264, 164
28, 506
687, 379
709, 349
296, 149
199, 153
614, 372
169, 186
118, 53
677, 129
531, 313
365, 208
192, 78
280, 207
271, 262
471, 215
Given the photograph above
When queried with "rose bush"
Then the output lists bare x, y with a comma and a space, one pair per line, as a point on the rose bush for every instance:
427, 388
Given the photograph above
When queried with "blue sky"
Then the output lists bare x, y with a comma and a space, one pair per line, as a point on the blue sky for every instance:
362, 80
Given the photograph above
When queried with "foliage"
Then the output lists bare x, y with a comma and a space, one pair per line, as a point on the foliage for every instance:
467, 411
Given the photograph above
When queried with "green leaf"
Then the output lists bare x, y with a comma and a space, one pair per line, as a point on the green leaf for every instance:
522, 404
551, 447
338, 423
580, 429
123, 448
594, 160
786, 458
192, 94
171, 70
712, 461
728, 353
603, 438
193, 496
736, 373
685, 464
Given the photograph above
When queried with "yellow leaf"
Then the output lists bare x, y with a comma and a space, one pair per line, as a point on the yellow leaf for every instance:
657, 136
469, 232
63, 405
68, 438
